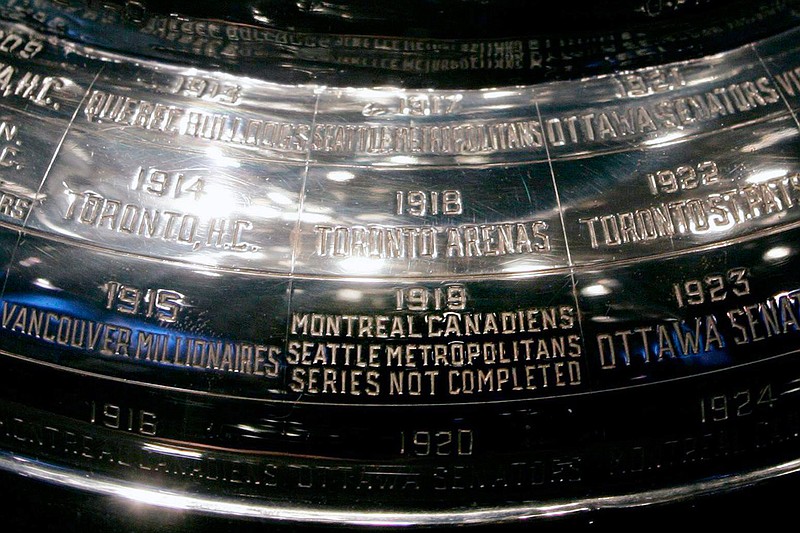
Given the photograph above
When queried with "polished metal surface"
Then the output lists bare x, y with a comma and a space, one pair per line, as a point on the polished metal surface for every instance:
381, 304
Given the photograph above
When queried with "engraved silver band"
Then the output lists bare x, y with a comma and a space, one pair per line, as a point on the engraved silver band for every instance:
389, 298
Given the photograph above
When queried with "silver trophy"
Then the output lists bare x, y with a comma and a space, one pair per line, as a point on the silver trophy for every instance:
287, 264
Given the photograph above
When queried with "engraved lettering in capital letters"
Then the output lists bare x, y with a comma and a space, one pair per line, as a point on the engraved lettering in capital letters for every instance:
789, 81
661, 115
444, 138
776, 316
409, 242
696, 215
133, 112
31, 87
674, 339
12, 205
15, 201
451, 353
112, 341
91, 209
11, 146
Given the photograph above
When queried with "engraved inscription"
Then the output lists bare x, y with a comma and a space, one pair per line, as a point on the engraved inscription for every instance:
705, 335
90, 209
714, 443
683, 178
736, 404
206, 89
424, 203
31, 87
660, 342
450, 353
663, 115
451, 297
416, 105
145, 114
102, 106
109, 340
776, 316
601, 125
162, 304
55, 438
698, 215
12, 205
11, 146
426, 139
713, 287
130, 419
15, 201
466, 240
298, 137
649, 81
561, 469
168, 183
789, 81
484, 55
444, 138
425, 443
18, 45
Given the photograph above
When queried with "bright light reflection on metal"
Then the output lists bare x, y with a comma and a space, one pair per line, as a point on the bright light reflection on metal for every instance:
490, 95
785, 294
312, 218
30, 261
521, 266
767, 140
361, 265
605, 319
349, 295
169, 450
228, 507
403, 159
217, 202
220, 159
766, 175
776, 253
340, 175
597, 289
266, 211
249, 428
280, 198
209, 273
664, 139
45, 284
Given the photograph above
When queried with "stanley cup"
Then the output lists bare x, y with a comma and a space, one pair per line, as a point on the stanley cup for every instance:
402, 262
